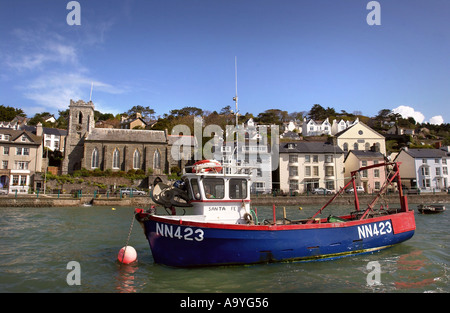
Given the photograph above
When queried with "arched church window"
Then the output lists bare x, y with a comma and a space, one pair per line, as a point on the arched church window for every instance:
157, 159
116, 159
94, 162
136, 159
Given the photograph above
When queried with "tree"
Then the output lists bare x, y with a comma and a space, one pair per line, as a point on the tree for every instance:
318, 112
39, 118
8, 113
273, 116
146, 112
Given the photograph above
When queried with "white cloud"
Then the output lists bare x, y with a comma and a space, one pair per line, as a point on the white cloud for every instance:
437, 120
48, 69
53, 91
406, 111
34, 50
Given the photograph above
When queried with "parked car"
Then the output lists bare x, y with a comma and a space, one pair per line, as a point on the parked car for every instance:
3, 191
359, 189
322, 191
128, 191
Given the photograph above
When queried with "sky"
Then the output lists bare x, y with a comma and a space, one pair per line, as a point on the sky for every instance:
169, 54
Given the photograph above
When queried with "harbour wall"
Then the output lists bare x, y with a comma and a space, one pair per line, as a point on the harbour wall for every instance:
145, 201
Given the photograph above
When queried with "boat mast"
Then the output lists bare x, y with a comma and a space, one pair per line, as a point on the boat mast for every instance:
235, 98
236, 112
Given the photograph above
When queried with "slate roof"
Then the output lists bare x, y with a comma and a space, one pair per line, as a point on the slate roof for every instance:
361, 154
46, 130
14, 134
426, 153
126, 135
309, 147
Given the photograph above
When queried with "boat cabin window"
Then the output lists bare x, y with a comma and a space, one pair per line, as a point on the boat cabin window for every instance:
238, 188
195, 189
214, 188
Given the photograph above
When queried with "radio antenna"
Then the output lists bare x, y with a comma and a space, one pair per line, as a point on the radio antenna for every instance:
235, 99
90, 96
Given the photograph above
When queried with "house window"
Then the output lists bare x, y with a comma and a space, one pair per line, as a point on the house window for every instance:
157, 159
5, 150
293, 158
376, 173
425, 171
355, 146
94, 163
22, 151
259, 185
307, 158
293, 184
15, 180
293, 171
316, 170
116, 158
426, 183
136, 159
444, 170
345, 147
329, 170
5, 165
315, 158
21, 165
329, 184
377, 185
438, 171
307, 170
329, 158
24, 138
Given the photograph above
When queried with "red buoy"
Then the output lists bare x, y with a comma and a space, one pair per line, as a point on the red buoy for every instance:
127, 255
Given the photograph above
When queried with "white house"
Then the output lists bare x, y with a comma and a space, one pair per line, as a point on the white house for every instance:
425, 169
342, 125
316, 128
304, 166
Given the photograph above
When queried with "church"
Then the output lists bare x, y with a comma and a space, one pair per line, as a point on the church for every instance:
111, 149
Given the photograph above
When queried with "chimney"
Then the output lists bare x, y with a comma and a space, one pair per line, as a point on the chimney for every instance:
39, 129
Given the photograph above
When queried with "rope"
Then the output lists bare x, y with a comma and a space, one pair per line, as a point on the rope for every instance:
128, 238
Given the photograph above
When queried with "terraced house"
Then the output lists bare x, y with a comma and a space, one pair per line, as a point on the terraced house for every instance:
305, 166
425, 169
20, 158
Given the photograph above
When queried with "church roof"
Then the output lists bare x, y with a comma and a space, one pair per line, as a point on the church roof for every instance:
126, 135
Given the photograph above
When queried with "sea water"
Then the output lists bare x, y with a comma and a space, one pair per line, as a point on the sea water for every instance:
39, 246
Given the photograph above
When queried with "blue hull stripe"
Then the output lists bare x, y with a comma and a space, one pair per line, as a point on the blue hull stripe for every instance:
187, 246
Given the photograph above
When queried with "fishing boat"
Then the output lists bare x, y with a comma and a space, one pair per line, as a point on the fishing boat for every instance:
431, 208
223, 229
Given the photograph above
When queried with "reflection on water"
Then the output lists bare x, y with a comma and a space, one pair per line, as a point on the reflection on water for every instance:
125, 277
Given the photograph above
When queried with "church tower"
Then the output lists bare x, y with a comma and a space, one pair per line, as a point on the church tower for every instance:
81, 123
